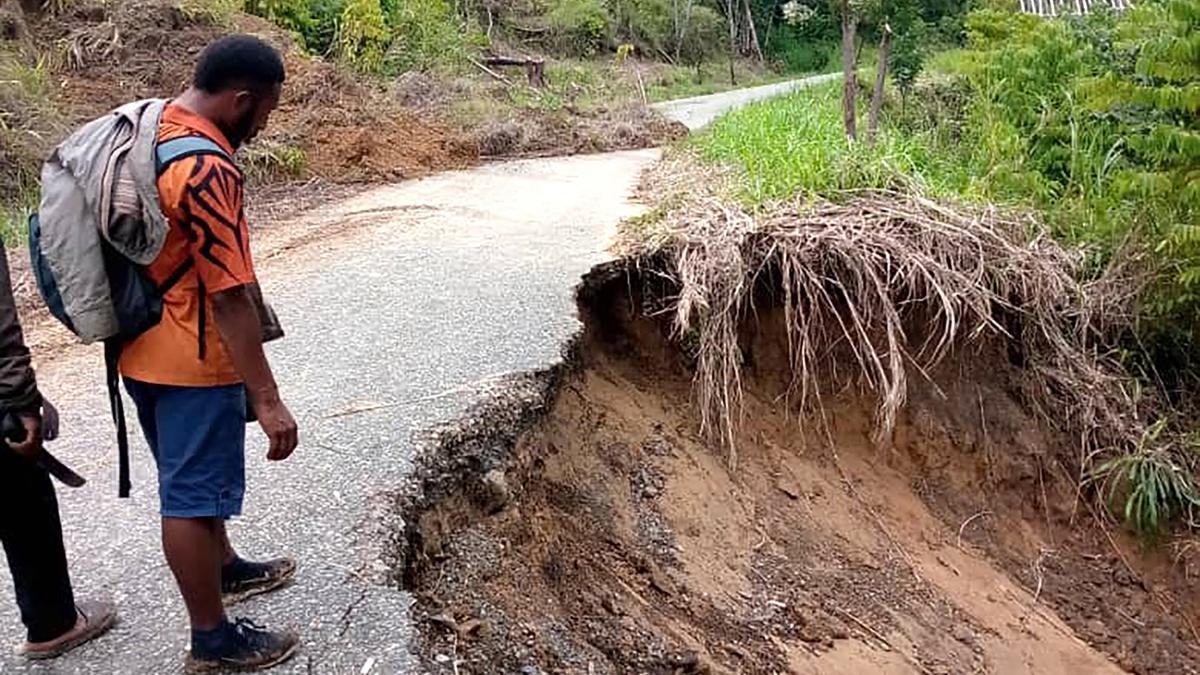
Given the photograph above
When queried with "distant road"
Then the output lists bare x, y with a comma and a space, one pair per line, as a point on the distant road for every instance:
698, 111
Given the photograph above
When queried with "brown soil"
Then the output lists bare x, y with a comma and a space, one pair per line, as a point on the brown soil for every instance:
592, 529
538, 133
348, 128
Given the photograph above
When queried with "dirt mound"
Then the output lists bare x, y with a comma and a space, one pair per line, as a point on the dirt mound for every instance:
346, 128
537, 133
609, 537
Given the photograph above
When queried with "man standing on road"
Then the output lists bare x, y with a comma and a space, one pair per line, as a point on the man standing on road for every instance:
29, 525
192, 375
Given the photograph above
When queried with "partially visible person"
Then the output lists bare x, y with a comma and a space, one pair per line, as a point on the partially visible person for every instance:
198, 374
29, 522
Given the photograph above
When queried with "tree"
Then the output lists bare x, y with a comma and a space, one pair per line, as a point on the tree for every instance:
849, 70
731, 17
881, 70
1159, 99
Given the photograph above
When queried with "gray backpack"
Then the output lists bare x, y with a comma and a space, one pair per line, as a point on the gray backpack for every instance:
98, 225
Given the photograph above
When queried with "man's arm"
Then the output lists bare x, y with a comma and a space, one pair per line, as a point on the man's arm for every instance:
220, 249
18, 386
241, 329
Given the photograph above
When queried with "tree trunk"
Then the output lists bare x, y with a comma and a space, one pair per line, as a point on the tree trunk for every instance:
755, 47
849, 71
885, 48
731, 14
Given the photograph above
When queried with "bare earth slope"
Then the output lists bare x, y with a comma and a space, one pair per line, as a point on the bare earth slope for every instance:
620, 541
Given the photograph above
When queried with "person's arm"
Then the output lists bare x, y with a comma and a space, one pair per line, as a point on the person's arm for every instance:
220, 250
18, 386
241, 330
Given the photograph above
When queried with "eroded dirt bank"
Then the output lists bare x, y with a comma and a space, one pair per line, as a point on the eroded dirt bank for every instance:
584, 525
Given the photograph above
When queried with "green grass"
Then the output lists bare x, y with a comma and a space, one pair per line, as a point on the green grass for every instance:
795, 144
27, 121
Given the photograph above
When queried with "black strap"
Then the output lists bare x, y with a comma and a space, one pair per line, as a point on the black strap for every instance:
203, 321
112, 358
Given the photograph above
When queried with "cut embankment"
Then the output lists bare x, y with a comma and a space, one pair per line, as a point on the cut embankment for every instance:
590, 528
827, 438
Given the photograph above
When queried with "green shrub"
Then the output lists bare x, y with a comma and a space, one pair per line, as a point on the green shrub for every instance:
28, 123
363, 37
293, 15
648, 24
217, 12
265, 160
425, 35
1150, 487
580, 27
706, 36
802, 56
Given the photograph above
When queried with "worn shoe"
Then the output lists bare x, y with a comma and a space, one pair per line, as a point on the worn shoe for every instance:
95, 618
242, 579
242, 646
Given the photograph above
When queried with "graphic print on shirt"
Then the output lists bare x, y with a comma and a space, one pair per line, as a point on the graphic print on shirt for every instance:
212, 211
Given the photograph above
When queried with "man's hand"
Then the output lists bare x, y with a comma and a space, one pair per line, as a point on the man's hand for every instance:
278, 424
32, 445
50, 423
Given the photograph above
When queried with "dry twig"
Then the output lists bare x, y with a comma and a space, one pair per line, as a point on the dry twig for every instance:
962, 528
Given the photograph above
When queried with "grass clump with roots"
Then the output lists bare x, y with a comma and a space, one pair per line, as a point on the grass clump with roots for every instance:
896, 282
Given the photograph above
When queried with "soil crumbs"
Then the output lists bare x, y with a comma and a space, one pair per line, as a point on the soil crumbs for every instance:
611, 538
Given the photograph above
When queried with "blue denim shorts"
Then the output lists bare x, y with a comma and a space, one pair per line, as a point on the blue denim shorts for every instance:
198, 438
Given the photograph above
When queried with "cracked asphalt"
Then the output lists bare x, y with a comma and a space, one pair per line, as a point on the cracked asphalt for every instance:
434, 288
400, 304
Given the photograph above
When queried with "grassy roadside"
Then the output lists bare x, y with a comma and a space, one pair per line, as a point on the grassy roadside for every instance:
1034, 116
795, 144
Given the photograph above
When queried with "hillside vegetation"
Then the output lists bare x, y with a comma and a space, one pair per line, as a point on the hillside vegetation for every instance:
1088, 123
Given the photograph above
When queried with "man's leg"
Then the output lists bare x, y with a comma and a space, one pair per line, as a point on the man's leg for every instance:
199, 442
32, 535
228, 555
194, 552
241, 578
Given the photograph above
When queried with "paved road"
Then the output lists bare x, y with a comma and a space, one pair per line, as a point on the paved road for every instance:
407, 301
437, 285
699, 111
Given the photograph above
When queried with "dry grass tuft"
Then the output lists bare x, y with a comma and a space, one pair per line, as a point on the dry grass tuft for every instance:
897, 282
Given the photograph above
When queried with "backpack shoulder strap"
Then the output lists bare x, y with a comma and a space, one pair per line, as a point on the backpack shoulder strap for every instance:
168, 152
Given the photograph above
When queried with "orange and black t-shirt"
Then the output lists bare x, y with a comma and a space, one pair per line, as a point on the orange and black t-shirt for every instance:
201, 197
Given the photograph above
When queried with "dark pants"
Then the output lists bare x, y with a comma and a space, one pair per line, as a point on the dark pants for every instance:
32, 536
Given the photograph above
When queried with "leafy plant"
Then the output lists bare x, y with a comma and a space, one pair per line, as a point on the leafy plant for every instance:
424, 33
362, 35
266, 160
1152, 484
293, 15
582, 26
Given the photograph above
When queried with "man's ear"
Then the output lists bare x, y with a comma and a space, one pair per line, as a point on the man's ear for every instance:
243, 101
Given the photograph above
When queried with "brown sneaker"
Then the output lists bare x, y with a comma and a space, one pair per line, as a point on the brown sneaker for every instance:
95, 618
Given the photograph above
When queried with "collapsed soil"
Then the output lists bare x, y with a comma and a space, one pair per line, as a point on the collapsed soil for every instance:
331, 124
347, 127
608, 536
